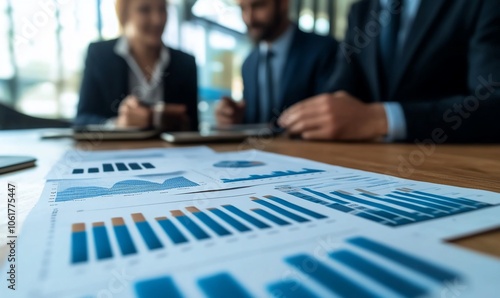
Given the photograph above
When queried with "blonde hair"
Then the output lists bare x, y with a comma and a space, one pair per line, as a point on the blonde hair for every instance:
121, 7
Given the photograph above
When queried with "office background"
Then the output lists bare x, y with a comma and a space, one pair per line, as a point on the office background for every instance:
43, 46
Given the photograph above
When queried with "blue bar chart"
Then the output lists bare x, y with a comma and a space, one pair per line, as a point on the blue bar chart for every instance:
208, 221
325, 274
127, 246
397, 208
122, 167
79, 253
404, 259
101, 240
247, 217
107, 167
274, 174
172, 231
182, 227
281, 211
368, 259
152, 287
115, 167
296, 207
222, 285
230, 220
238, 164
405, 288
290, 289
146, 231
271, 217
190, 225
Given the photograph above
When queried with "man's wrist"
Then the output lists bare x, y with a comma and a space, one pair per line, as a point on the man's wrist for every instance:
379, 120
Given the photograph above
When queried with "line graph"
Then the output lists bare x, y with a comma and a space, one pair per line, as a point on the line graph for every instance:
70, 192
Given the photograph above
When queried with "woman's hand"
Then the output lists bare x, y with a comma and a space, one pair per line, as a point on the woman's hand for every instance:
132, 114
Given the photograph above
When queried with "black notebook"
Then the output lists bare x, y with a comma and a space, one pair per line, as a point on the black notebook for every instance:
14, 163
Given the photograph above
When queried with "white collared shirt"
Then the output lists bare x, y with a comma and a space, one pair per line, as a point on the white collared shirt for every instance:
148, 92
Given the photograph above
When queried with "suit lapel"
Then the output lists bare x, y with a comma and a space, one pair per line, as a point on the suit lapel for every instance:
372, 58
252, 114
123, 71
166, 80
125, 81
426, 17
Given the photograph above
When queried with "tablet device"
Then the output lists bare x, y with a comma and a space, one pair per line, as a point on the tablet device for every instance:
262, 129
242, 127
98, 132
198, 137
14, 163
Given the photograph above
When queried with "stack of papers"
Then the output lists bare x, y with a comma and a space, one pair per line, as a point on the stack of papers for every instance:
195, 223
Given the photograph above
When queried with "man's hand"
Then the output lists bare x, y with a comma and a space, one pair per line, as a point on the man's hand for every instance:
337, 116
229, 112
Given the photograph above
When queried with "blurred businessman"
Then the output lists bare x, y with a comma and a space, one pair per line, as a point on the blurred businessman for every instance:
411, 70
287, 65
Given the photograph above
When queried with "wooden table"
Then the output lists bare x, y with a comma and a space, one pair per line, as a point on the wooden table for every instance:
475, 166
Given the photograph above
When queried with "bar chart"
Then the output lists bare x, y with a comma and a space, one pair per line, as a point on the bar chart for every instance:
363, 267
79, 244
127, 246
189, 225
274, 174
115, 167
71, 190
238, 164
397, 208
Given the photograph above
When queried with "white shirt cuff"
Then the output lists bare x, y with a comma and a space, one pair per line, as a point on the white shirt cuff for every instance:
396, 122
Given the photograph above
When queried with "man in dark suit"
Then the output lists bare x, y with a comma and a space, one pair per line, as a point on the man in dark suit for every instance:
286, 66
411, 70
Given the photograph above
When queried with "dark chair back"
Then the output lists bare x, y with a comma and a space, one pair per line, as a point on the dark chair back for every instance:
12, 119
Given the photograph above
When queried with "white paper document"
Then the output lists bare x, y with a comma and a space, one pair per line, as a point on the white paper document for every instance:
176, 175
241, 241
249, 224
80, 164
417, 208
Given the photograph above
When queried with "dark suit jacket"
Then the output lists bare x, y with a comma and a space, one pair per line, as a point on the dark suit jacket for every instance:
310, 63
106, 83
441, 79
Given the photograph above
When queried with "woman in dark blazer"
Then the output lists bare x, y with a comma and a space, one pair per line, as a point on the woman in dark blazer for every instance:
135, 80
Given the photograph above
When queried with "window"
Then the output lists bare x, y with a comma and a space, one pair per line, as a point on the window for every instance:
43, 46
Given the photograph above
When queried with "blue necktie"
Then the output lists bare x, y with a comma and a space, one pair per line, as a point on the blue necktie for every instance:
389, 40
267, 103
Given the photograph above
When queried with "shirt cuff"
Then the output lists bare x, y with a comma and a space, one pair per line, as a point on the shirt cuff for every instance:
396, 122
111, 123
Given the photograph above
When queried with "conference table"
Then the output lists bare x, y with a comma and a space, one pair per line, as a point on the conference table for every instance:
474, 166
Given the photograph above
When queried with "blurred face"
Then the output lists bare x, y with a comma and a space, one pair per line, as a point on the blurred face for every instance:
263, 17
146, 20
